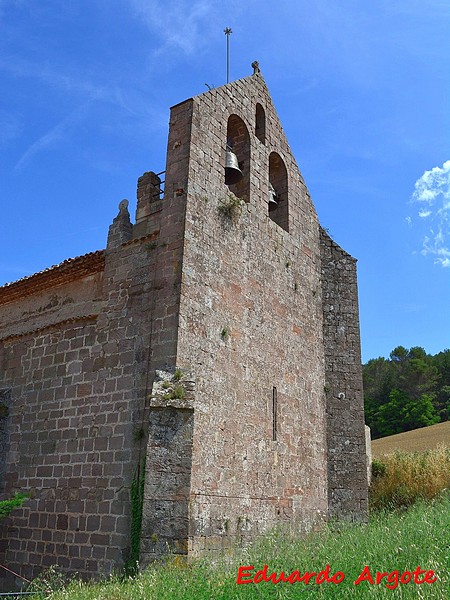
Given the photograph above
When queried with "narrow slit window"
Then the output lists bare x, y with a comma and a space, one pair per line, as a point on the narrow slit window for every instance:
274, 414
260, 126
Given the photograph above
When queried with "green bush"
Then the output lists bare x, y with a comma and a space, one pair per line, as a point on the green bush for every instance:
7, 506
378, 468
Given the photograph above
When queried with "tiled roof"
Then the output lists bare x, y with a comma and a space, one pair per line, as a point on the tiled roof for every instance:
68, 270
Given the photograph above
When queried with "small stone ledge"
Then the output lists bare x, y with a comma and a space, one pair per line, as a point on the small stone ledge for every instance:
143, 238
172, 387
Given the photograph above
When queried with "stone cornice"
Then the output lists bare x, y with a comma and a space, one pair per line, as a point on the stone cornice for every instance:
69, 270
65, 323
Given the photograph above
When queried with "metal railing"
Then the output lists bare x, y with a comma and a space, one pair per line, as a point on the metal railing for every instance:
161, 189
16, 594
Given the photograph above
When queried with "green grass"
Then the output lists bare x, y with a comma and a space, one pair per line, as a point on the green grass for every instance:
392, 541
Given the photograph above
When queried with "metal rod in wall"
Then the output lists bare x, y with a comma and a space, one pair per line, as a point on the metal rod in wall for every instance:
274, 414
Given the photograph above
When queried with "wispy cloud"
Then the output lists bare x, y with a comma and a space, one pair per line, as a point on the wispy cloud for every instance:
78, 90
73, 83
181, 24
432, 193
54, 135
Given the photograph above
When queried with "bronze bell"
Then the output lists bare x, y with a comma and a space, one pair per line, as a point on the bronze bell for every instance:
273, 198
233, 174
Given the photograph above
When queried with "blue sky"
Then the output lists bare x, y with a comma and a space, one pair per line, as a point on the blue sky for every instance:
362, 90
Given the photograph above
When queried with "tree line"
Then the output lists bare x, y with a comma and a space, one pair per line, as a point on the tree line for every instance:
410, 389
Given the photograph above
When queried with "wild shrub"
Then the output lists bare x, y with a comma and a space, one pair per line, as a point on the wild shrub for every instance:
230, 208
403, 478
49, 581
7, 506
378, 468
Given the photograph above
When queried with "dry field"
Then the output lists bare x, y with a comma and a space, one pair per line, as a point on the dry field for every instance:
426, 438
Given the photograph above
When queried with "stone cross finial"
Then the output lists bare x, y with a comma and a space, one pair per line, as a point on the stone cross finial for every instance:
123, 206
256, 69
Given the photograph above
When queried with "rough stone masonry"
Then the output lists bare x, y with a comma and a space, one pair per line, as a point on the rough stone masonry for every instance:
215, 340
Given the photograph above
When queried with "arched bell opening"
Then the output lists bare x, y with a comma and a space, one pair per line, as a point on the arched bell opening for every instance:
237, 158
260, 123
278, 191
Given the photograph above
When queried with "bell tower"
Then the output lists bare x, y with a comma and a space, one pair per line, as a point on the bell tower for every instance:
249, 335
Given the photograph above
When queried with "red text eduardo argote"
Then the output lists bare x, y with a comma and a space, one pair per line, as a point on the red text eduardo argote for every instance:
418, 576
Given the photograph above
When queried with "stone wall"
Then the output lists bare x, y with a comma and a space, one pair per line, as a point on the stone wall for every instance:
75, 353
67, 449
368, 454
166, 512
79, 347
346, 442
5, 420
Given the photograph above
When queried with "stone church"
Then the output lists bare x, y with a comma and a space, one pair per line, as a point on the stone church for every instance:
210, 354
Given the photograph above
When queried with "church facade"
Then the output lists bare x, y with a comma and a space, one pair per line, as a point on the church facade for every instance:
209, 355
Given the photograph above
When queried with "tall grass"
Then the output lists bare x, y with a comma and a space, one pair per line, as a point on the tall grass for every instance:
391, 541
402, 478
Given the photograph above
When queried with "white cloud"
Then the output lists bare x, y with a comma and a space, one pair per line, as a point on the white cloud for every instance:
180, 24
433, 184
433, 190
